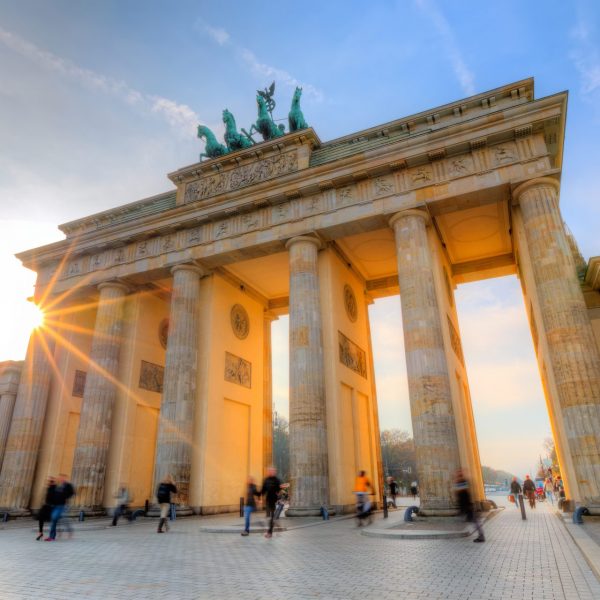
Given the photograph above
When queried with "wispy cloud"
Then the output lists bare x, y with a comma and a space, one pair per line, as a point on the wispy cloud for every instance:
462, 72
180, 116
585, 57
222, 37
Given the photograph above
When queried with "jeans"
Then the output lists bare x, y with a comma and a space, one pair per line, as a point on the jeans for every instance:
516, 499
57, 513
248, 510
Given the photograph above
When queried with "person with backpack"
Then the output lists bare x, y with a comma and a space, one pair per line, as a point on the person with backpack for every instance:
45, 512
270, 491
63, 492
163, 494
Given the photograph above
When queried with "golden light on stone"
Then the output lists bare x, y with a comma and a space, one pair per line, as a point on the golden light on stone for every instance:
34, 316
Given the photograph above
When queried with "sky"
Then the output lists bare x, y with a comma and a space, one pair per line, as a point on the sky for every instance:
100, 100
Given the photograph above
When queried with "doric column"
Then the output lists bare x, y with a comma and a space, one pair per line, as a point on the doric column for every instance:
10, 373
25, 434
434, 427
176, 422
308, 425
269, 317
572, 348
95, 423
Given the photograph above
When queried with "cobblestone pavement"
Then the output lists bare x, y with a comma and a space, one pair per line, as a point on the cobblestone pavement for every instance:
522, 559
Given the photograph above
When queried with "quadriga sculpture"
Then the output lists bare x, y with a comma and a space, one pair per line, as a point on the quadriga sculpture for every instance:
233, 139
264, 123
295, 116
212, 149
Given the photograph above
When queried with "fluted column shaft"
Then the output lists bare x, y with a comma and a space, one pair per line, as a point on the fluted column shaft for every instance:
434, 427
174, 442
9, 385
308, 425
25, 434
572, 347
101, 386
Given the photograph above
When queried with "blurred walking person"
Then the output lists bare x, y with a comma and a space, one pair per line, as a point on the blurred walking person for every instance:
163, 494
414, 489
61, 495
465, 503
250, 505
529, 490
270, 491
45, 513
549, 490
122, 507
393, 489
515, 490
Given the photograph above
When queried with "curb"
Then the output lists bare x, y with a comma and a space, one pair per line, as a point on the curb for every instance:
587, 546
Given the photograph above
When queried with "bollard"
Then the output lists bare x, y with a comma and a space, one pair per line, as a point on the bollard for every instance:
81, 516
241, 506
522, 505
146, 506
385, 507
5, 517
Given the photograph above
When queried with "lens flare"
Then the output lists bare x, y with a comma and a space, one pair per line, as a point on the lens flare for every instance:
34, 316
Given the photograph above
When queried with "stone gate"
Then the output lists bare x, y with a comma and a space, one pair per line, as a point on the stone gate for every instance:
155, 356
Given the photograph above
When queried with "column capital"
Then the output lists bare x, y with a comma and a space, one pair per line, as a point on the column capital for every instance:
304, 238
200, 271
410, 212
531, 183
270, 316
115, 283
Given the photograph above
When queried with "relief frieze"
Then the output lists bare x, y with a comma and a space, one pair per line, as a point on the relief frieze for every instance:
352, 356
238, 370
242, 176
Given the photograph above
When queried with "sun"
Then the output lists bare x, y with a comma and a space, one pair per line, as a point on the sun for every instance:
34, 316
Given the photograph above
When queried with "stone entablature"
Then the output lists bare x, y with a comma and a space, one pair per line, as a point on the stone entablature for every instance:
509, 149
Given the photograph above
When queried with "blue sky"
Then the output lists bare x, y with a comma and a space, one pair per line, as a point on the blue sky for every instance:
99, 100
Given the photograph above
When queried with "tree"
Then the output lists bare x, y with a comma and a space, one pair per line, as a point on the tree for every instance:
281, 446
398, 456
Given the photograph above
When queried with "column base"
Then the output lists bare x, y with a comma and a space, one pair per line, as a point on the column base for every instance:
308, 511
180, 511
438, 512
16, 513
88, 511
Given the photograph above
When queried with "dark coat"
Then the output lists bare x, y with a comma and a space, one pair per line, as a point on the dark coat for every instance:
163, 493
251, 494
515, 487
270, 489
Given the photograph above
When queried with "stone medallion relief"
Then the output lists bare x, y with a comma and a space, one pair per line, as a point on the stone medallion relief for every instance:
350, 303
240, 322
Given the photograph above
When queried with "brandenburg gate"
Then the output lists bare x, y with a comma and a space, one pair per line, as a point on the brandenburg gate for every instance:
155, 355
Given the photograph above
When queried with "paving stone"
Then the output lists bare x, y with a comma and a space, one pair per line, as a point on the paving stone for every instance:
534, 559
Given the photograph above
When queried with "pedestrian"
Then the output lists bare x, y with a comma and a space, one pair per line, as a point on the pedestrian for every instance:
362, 485
250, 505
515, 490
63, 492
393, 489
46, 510
465, 503
122, 506
270, 491
529, 490
414, 489
549, 489
163, 494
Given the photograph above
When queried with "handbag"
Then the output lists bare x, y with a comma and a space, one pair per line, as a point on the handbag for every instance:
511, 498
